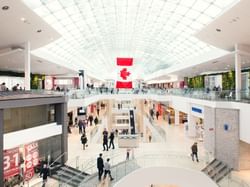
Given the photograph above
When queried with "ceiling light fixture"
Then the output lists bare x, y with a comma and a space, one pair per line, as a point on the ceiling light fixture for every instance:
5, 8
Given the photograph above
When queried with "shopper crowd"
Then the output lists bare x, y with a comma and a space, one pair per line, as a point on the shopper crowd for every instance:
4, 88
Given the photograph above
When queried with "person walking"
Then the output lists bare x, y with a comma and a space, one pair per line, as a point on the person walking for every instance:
76, 120
149, 138
151, 112
3, 87
111, 140
80, 126
107, 169
127, 154
44, 173
96, 120
15, 88
100, 166
90, 118
105, 140
84, 140
194, 153
98, 111
157, 115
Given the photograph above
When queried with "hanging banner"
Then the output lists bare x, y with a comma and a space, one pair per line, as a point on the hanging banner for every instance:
11, 162
124, 66
31, 159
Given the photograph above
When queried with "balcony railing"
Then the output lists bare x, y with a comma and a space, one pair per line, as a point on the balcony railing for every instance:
223, 95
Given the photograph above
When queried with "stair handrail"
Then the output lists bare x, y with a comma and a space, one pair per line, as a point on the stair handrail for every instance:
145, 156
91, 166
60, 156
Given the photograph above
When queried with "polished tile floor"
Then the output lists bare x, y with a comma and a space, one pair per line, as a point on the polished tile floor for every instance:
175, 151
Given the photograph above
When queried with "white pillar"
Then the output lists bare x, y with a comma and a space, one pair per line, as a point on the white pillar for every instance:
81, 82
191, 126
27, 65
237, 73
177, 117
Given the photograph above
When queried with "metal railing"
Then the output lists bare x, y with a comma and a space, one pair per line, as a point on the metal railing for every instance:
222, 95
144, 160
122, 167
59, 157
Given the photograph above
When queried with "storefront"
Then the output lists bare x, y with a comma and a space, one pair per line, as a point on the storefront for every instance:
21, 163
195, 122
34, 131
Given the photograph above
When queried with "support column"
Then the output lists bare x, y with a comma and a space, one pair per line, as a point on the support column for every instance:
110, 116
81, 79
237, 73
140, 114
177, 117
27, 65
61, 113
191, 126
1, 147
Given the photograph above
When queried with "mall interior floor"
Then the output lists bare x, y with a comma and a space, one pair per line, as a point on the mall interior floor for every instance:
177, 143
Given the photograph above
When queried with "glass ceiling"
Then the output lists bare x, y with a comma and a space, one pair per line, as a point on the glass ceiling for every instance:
156, 33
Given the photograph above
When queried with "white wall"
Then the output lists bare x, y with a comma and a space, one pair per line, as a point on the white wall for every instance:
244, 121
32, 134
166, 175
180, 104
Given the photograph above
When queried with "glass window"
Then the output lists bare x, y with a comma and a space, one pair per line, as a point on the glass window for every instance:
95, 32
27, 117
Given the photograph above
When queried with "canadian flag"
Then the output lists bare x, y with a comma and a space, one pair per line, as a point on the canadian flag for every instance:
124, 74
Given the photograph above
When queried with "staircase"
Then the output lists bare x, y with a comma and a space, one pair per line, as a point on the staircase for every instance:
216, 170
69, 175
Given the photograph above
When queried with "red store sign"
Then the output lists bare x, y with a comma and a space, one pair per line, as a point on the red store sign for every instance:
31, 159
11, 162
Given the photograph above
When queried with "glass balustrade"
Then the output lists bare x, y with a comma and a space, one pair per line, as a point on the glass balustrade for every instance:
223, 95
122, 167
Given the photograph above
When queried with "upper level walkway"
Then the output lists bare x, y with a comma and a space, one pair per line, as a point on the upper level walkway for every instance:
223, 95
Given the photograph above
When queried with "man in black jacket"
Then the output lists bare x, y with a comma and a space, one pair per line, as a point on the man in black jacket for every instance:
105, 140
111, 142
44, 173
194, 149
100, 166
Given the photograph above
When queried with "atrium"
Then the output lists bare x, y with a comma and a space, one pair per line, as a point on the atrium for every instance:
158, 80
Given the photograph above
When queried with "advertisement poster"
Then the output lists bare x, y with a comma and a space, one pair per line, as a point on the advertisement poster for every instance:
31, 159
11, 162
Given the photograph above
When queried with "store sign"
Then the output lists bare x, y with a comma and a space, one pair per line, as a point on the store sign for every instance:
11, 162
226, 127
31, 159
197, 110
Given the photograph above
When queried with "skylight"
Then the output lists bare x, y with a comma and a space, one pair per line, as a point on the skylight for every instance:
156, 33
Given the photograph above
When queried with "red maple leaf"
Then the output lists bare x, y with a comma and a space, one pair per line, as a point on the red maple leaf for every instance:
124, 73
